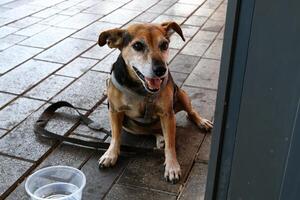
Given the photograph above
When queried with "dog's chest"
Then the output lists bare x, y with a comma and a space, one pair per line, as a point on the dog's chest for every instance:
139, 107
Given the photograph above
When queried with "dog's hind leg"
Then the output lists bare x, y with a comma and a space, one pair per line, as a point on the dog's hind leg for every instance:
184, 103
160, 141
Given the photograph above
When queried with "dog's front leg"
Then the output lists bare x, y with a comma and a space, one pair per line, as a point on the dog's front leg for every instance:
172, 167
109, 158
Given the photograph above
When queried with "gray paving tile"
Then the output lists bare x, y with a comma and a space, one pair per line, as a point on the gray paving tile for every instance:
205, 35
13, 4
92, 31
77, 67
11, 170
47, 13
71, 11
5, 21
17, 111
166, 18
121, 192
105, 65
148, 171
80, 4
139, 5
204, 151
196, 48
49, 87
5, 1
65, 4
32, 30
184, 63
206, 12
120, 16
3, 9
146, 17
180, 9
177, 42
6, 30
79, 21
15, 55
211, 4
10, 40
222, 9
86, 91
100, 115
172, 53
22, 141
215, 50
213, 25
100, 181
158, 8
104, 7
124, 1
179, 78
65, 51
64, 155
167, 2
62, 121
203, 100
46, 3
195, 20
219, 15
5, 98
189, 31
20, 12
205, 74
221, 34
195, 186
48, 37
97, 52
2, 132
195, 2
25, 22
55, 19
69, 155
25, 76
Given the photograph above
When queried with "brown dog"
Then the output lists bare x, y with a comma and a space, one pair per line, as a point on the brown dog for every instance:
141, 93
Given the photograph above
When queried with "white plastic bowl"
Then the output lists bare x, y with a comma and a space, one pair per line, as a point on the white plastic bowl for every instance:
56, 182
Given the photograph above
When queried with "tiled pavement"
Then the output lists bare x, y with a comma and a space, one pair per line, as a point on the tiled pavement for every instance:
48, 52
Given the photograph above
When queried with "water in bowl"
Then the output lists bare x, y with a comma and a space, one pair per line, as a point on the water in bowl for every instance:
56, 191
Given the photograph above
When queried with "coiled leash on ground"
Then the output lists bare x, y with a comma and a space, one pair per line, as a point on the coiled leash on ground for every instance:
42, 133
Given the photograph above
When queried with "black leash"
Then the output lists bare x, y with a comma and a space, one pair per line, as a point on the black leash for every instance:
42, 133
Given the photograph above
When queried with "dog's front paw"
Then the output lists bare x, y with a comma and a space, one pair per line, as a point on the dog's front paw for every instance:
108, 159
206, 125
172, 171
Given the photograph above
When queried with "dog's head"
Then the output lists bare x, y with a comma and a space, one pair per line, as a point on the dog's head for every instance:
145, 50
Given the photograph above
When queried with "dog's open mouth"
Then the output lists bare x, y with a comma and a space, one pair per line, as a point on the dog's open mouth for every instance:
151, 84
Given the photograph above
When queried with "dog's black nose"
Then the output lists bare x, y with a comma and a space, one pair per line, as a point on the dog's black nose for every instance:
159, 67
159, 71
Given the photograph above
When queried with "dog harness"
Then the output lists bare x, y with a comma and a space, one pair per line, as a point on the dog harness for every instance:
149, 100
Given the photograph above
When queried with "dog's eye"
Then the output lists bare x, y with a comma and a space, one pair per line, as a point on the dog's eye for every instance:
164, 46
138, 46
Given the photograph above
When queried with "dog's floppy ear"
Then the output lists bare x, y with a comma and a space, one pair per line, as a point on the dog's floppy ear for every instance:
172, 26
113, 38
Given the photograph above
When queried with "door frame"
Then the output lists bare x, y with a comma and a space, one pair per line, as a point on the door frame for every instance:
258, 91
233, 64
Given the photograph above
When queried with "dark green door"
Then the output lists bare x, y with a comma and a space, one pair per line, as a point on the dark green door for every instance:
256, 142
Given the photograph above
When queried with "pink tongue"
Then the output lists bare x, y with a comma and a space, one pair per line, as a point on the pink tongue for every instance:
153, 83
